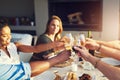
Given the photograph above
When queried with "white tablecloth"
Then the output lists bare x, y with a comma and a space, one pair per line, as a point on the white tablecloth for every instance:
95, 73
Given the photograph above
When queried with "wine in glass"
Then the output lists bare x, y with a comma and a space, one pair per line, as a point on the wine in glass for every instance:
70, 44
82, 39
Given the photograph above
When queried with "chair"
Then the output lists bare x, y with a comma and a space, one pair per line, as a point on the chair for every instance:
26, 39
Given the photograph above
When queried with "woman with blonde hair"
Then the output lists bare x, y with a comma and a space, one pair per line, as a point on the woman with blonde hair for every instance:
48, 27
52, 33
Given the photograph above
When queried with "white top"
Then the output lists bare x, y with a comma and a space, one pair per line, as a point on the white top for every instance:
14, 57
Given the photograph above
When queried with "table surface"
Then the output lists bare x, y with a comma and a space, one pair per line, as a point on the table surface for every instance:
94, 73
62, 72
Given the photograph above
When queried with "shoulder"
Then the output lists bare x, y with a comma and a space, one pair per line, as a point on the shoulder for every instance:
12, 45
43, 39
42, 36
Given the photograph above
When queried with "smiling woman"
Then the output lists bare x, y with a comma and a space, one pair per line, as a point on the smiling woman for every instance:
14, 69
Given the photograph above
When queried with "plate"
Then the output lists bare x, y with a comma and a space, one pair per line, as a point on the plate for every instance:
111, 61
47, 75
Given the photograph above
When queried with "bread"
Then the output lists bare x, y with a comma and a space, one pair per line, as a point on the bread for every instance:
74, 76
58, 77
71, 76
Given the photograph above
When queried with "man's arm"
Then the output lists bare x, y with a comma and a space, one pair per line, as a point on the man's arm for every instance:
38, 67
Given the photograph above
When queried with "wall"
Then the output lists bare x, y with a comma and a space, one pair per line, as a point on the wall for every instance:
110, 20
14, 8
41, 13
110, 26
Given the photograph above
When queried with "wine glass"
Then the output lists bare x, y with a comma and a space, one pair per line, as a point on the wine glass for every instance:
82, 39
70, 44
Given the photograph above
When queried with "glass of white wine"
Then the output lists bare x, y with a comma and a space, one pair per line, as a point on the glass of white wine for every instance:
70, 44
82, 39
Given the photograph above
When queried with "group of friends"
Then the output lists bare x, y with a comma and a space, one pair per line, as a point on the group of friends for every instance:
48, 44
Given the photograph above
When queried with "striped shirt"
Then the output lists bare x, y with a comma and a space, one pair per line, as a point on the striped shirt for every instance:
11, 68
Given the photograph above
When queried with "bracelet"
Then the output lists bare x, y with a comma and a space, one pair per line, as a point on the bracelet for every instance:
99, 47
96, 63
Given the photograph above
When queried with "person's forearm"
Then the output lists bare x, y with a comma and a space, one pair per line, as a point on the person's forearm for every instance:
109, 71
110, 52
44, 47
37, 48
113, 44
105, 43
54, 61
41, 66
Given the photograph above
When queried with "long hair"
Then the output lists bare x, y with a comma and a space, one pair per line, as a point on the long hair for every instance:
58, 35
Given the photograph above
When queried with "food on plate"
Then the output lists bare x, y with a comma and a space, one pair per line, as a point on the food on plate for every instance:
85, 77
71, 76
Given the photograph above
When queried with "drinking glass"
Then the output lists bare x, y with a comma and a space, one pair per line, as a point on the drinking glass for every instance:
70, 44
82, 39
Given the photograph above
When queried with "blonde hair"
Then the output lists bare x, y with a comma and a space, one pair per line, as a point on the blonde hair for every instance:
58, 35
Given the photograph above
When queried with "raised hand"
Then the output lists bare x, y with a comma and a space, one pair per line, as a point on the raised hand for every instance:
65, 39
64, 55
91, 44
82, 52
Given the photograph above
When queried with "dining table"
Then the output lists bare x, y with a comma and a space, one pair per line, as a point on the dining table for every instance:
53, 72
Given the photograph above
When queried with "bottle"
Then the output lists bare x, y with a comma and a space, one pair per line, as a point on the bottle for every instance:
90, 36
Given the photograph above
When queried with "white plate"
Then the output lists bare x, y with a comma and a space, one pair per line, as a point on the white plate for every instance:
47, 75
111, 61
